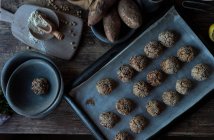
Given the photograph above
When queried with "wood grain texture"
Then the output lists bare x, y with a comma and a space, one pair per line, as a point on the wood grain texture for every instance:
199, 122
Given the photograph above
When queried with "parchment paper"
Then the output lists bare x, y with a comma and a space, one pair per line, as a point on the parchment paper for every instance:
170, 21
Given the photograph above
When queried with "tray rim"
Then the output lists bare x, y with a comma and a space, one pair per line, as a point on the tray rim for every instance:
78, 106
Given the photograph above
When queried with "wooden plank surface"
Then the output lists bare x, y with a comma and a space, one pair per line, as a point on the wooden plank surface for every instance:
199, 122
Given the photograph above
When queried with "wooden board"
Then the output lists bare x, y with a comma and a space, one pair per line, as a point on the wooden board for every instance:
198, 123
64, 49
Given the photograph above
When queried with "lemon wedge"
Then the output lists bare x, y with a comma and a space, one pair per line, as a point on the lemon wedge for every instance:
211, 32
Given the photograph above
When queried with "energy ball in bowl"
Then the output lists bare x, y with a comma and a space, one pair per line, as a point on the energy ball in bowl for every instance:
125, 73
170, 98
40, 86
141, 89
105, 86
153, 49
123, 136
124, 106
108, 119
155, 78
200, 72
170, 65
138, 62
183, 86
138, 124
154, 107
167, 38
186, 54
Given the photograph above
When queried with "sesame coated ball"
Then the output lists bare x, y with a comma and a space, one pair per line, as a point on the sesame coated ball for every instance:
123, 136
154, 107
186, 54
105, 86
141, 89
155, 78
153, 49
108, 119
40, 86
125, 73
124, 106
138, 124
170, 98
138, 62
183, 86
167, 38
171, 65
200, 72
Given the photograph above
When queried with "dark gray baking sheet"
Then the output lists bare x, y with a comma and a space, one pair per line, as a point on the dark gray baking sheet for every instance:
170, 21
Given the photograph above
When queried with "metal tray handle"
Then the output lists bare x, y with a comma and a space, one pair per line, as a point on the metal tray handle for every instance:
93, 128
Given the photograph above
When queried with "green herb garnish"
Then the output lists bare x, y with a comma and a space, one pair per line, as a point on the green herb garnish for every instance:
4, 107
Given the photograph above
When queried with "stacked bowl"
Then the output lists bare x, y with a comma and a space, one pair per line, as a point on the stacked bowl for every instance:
16, 79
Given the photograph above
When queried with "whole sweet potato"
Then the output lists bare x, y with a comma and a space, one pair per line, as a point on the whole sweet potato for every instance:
98, 9
112, 24
130, 13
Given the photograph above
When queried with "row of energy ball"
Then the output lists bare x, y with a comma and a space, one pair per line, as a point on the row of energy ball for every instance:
154, 78
152, 50
154, 107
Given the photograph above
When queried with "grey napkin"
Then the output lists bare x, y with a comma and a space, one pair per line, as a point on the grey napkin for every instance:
4, 118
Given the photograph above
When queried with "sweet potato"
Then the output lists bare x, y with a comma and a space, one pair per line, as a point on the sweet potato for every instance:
130, 13
112, 24
98, 9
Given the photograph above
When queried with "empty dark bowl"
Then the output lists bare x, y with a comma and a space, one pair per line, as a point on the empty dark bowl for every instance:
125, 33
19, 94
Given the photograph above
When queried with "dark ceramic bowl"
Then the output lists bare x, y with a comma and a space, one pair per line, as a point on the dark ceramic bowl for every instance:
125, 33
21, 57
52, 17
19, 94
9, 67
14, 62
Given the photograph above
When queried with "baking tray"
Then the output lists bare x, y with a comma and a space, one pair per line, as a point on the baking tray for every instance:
90, 114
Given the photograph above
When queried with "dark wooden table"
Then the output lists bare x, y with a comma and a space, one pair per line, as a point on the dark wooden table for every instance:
199, 122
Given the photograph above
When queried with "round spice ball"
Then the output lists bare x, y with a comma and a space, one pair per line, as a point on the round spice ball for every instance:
183, 86
170, 65
167, 38
141, 89
125, 73
200, 72
155, 78
105, 86
153, 49
186, 54
123, 136
138, 62
40, 86
124, 106
108, 119
154, 107
170, 98
138, 124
